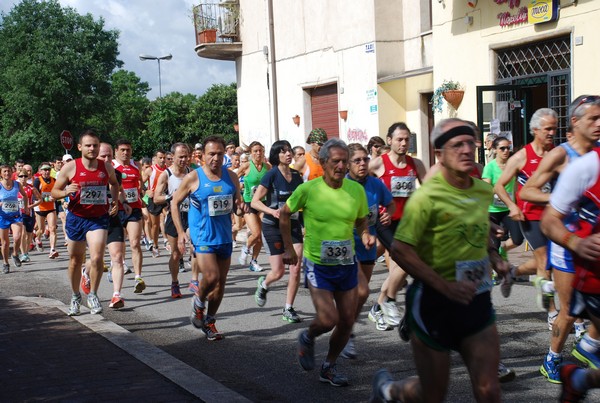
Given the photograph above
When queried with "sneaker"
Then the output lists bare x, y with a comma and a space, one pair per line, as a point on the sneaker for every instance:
551, 369
16, 260
147, 245
94, 304
580, 331
542, 298
139, 286
381, 378
505, 374
260, 295
38, 246
404, 330
568, 392
506, 284
245, 256
109, 275
349, 351
5, 268
197, 316
75, 307
290, 315
25, 258
182, 268
591, 359
126, 269
376, 316
116, 302
211, 332
391, 314
193, 287
53, 254
306, 351
175, 291
381, 259
254, 266
85, 281
155, 251
330, 375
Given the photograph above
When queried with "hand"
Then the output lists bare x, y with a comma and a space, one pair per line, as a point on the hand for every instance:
127, 209
276, 213
588, 247
290, 257
114, 209
72, 188
385, 218
150, 193
516, 214
368, 240
181, 240
462, 292
500, 266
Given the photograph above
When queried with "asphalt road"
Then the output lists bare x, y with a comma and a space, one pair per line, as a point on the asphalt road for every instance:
257, 358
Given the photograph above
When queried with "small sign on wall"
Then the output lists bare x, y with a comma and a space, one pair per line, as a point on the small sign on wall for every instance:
540, 11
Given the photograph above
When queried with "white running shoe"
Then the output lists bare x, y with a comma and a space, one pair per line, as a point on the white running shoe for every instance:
245, 256
376, 316
254, 266
391, 314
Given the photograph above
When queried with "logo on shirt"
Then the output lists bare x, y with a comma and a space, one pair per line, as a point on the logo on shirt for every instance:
101, 175
82, 174
392, 171
217, 189
534, 161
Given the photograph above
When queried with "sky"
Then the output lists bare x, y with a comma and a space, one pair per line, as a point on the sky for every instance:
157, 28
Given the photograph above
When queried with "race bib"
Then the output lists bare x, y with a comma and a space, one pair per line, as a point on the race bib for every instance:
220, 205
373, 214
184, 206
498, 202
131, 195
21, 204
476, 271
403, 186
337, 252
93, 195
10, 206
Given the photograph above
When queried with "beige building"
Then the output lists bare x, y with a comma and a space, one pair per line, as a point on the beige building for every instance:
352, 67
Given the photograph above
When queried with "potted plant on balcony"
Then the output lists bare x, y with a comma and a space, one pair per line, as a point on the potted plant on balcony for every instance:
451, 91
206, 28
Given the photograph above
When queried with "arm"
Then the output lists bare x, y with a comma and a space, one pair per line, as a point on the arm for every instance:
289, 254
432, 171
160, 196
143, 178
242, 171
241, 207
513, 166
190, 181
549, 167
114, 188
257, 204
37, 196
62, 186
24, 198
362, 228
421, 170
376, 167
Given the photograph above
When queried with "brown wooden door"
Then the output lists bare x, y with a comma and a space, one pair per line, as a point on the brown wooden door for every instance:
324, 109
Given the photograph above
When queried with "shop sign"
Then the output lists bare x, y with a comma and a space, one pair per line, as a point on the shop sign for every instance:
541, 11
507, 18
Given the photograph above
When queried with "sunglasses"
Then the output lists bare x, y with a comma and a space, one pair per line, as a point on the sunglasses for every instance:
587, 100
45, 169
359, 160
503, 148
22, 176
376, 145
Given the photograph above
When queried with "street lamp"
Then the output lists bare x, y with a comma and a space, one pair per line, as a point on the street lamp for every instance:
158, 59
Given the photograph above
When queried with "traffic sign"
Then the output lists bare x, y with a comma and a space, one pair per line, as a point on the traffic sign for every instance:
66, 140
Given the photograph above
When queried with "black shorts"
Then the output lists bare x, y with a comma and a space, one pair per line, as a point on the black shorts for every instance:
115, 230
533, 234
136, 215
44, 213
250, 209
583, 304
271, 236
170, 226
385, 233
28, 223
512, 228
443, 324
155, 209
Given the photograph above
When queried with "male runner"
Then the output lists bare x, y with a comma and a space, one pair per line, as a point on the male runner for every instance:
155, 210
309, 166
47, 210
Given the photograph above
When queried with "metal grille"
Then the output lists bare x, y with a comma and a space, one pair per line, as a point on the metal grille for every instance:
541, 57
559, 99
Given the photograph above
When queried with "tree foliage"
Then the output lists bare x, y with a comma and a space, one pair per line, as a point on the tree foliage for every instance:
216, 112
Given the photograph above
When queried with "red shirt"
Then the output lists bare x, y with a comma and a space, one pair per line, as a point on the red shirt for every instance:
153, 180
29, 191
400, 181
90, 201
531, 211
131, 184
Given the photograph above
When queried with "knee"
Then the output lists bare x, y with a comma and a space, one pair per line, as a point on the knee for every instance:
488, 391
363, 294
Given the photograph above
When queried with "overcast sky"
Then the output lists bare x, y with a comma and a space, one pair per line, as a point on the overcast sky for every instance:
157, 28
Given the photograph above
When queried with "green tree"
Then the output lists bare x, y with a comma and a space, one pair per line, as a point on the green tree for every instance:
216, 112
55, 68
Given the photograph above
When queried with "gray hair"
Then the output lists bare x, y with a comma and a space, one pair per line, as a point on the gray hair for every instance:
329, 144
175, 146
536, 118
439, 129
579, 106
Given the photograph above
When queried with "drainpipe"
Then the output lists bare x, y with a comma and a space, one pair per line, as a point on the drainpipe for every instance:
273, 70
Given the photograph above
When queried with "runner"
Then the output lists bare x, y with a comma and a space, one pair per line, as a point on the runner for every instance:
60, 205
213, 192
131, 221
155, 210
275, 188
253, 172
28, 215
332, 206
85, 182
374, 146
443, 242
10, 215
229, 150
310, 166
47, 210
299, 157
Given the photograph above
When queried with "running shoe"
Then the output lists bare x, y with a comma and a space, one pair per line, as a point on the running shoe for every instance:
155, 251
306, 351
193, 287
211, 332
254, 266
382, 377
505, 374
381, 259
85, 281
234, 245
75, 307
53, 254
404, 330
245, 256
38, 246
391, 314
591, 359
330, 375
175, 291
580, 331
197, 316
126, 269
376, 316
568, 393
139, 286
116, 302
349, 351
290, 315
5, 268
16, 260
260, 295
551, 369
147, 245
25, 258
94, 304
542, 298
109, 275
182, 268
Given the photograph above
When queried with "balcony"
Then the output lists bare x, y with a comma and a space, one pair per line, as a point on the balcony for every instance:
217, 30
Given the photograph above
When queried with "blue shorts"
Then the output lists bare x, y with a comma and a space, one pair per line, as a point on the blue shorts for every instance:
135, 216
28, 223
6, 220
331, 278
559, 258
223, 251
77, 227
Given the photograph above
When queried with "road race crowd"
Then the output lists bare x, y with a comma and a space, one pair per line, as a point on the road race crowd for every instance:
331, 211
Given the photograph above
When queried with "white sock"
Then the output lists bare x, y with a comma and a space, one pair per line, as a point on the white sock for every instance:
590, 345
264, 285
548, 287
288, 306
386, 390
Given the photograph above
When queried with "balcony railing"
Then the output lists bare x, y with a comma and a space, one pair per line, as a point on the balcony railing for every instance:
217, 22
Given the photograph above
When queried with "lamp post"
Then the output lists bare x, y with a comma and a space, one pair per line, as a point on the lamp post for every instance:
158, 59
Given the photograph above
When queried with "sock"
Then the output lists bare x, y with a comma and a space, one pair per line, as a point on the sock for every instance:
76, 295
198, 303
116, 294
137, 276
579, 380
388, 299
553, 356
548, 287
264, 285
288, 306
590, 345
386, 391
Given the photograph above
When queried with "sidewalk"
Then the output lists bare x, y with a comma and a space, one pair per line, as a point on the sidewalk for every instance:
48, 356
